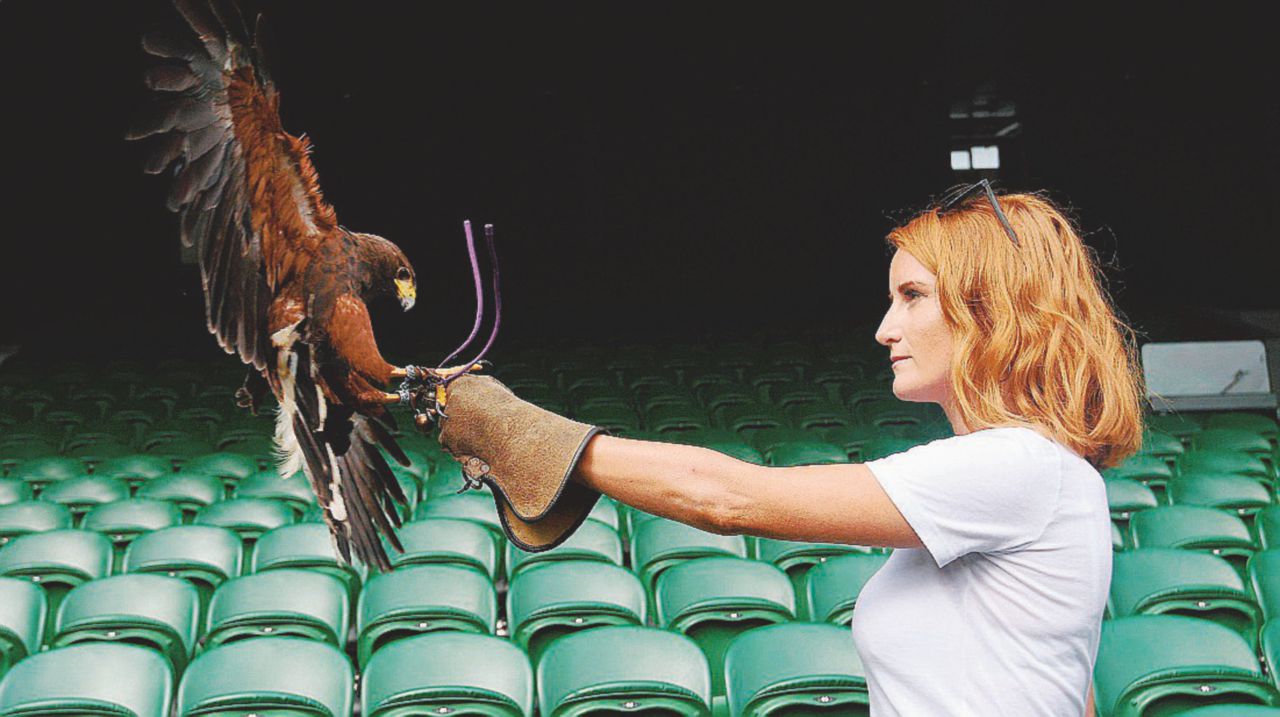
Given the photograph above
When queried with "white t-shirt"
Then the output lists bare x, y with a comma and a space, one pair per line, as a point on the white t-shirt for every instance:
1001, 611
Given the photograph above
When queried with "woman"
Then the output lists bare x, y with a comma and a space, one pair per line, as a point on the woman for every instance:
993, 601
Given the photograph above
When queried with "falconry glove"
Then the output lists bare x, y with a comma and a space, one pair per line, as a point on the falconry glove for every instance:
524, 453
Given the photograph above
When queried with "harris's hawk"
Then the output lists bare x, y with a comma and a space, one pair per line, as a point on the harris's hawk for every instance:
285, 285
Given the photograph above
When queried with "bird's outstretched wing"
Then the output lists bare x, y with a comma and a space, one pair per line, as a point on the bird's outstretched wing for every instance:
250, 204
246, 191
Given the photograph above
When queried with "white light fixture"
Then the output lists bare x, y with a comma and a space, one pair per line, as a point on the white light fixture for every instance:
960, 159
987, 157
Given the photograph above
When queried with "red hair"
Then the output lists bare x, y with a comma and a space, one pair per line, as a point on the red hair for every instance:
1037, 339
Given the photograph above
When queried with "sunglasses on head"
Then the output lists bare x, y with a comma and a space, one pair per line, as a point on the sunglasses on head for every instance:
955, 197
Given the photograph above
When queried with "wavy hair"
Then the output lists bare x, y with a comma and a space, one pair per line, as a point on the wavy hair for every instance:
1037, 339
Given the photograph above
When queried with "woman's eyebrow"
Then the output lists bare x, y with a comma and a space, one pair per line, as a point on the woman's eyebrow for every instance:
909, 284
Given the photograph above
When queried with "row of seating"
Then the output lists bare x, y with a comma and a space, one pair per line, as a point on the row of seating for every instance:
608, 669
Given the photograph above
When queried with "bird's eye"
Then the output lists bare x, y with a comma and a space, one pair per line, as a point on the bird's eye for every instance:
402, 274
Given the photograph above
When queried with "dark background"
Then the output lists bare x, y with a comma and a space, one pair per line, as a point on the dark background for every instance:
654, 172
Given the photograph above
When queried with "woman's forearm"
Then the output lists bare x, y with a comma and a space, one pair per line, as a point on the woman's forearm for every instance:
684, 483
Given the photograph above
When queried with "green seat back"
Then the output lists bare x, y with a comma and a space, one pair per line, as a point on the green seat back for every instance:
808, 453
230, 467
135, 469
796, 558
551, 600
423, 598
293, 603
659, 543
89, 679
641, 669
39, 472
1179, 425
307, 546
1153, 665
22, 619
1148, 470
1264, 577
1162, 445
31, 516
715, 599
770, 438
450, 541
155, 611
1194, 527
1239, 494
448, 672
1256, 422
1232, 439
1155, 581
83, 492
248, 517
798, 668
1220, 461
592, 540
294, 491
290, 674
1126, 496
189, 490
831, 588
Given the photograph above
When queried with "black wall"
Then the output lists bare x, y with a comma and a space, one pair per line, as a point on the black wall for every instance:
657, 174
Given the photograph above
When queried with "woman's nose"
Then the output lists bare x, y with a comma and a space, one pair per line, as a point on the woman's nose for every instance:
887, 333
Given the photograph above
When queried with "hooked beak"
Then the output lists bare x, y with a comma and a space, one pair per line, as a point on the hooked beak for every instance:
406, 292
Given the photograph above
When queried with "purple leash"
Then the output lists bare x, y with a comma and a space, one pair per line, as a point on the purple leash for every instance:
475, 277
497, 301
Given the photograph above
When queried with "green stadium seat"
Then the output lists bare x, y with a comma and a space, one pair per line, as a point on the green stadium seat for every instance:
472, 505
1266, 523
40, 472
447, 541
446, 673
818, 416
98, 451
1219, 461
796, 558
624, 669
556, 599
189, 491
15, 451
294, 491
135, 469
90, 679
799, 393
423, 598
615, 419
1150, 471
179, 450
1264, 426
717, 395
1166, 447
770, 438
248, 517
703, 382
1126, 496
808, 453
31, 516
124, 520
306, 546
1233, 439
279, 603
1158, 581
445, 479
1179, 425
592, 540
13, 490
65, 557
83, 492
230, 467
831, 588
674, 418
22, 619
203, 555
1191, 527
1264, 578
795, 668
153, 611
659, 544
1165, 664
746, 418
1117, 538
1238, 494
278, 675
713, 600
767, 381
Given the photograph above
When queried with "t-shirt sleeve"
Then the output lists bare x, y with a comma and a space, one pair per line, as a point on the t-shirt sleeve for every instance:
989, 491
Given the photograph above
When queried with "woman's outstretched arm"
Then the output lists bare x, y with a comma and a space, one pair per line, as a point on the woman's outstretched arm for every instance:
720, 494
